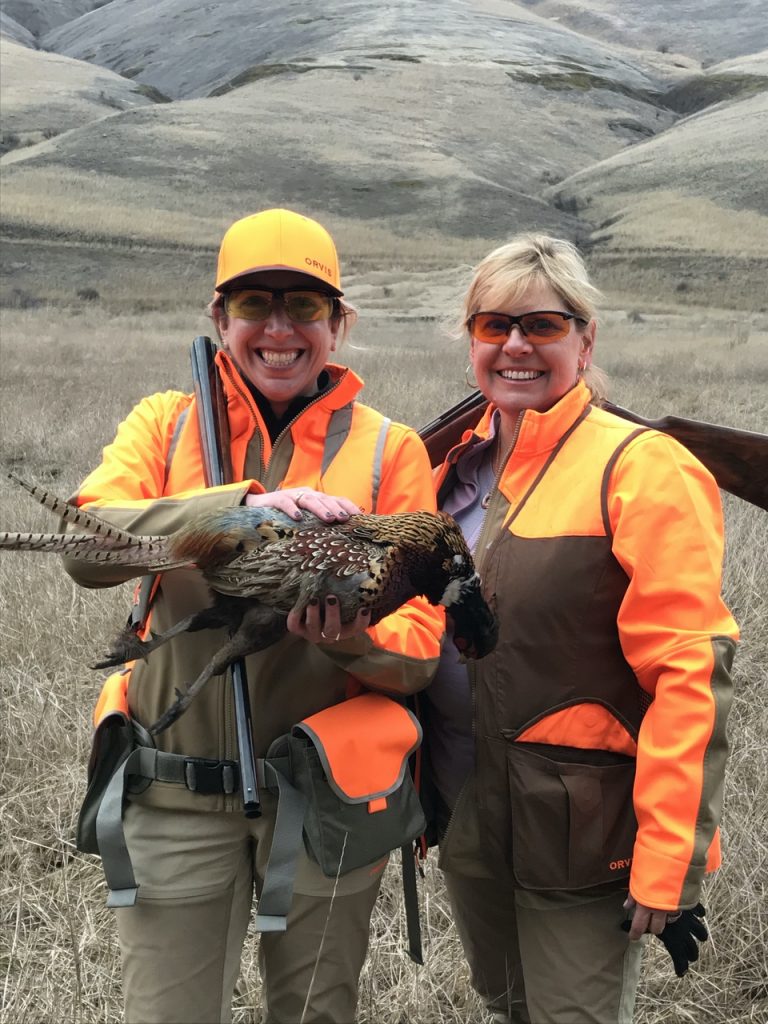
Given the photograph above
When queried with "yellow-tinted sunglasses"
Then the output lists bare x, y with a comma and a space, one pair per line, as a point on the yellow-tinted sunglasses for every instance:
301, 306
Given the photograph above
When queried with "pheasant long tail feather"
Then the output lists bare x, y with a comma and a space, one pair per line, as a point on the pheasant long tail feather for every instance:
61, 543
104, 542
89, 521
87, 548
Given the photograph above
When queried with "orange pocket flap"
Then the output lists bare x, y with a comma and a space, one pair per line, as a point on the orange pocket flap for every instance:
113, 699
364, 744
587, 725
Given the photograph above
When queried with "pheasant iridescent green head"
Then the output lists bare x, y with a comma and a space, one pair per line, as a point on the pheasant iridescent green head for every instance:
475, 626
443, 570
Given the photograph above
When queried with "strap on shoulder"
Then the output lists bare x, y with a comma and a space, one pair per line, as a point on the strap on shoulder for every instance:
338, 432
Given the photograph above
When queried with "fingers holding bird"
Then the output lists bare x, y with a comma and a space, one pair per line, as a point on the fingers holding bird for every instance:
294, 501
320, 623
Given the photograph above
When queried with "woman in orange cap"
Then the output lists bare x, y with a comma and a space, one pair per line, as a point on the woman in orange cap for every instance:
579, 766
299, 440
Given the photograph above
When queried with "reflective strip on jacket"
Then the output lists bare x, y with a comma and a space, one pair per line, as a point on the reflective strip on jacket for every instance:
134, 489
614, 636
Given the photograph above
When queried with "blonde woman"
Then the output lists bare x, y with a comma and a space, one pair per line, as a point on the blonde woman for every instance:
579, 767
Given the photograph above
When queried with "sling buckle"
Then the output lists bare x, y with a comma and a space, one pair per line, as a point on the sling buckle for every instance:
208, 777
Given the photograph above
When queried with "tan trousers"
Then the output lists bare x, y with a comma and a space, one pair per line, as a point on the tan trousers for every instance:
181, 943
546, 958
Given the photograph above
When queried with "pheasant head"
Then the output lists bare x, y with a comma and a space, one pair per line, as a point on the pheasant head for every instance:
440, 566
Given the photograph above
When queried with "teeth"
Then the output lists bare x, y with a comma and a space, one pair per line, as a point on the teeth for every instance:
272, 358
521, 374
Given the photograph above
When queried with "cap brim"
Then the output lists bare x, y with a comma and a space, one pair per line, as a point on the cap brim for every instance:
327, 286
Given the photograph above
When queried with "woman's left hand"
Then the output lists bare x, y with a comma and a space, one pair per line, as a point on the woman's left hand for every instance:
295, 500
322, 624
647, 919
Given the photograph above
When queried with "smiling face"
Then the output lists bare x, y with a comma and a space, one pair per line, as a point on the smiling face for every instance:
519, 375
282, 359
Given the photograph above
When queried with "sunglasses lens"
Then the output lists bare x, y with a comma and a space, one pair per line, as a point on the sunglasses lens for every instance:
304, 307
249, 305
538, 328
544, 327
492, 328
300, 306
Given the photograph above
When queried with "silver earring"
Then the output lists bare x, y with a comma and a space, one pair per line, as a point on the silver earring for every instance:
470, 383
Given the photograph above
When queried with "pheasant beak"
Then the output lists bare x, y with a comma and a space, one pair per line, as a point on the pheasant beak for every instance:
475, 627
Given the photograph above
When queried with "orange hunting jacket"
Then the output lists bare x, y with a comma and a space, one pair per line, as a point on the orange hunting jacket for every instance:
602, 551
151, 481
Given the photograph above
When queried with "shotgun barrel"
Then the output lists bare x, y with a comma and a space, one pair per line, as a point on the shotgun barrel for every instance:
214, 441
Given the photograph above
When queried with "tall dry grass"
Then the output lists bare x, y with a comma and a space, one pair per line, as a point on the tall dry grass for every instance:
66, 381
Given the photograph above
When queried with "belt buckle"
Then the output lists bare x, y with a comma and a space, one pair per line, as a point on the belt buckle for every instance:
209, 777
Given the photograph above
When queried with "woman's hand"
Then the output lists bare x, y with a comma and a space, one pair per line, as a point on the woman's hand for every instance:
295, 500
647, 919
323, 625
681, 932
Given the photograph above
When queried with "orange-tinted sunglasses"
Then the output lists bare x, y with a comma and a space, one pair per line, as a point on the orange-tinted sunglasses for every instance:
540, 327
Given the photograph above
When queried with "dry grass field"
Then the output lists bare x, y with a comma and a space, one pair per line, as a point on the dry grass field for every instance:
68, 376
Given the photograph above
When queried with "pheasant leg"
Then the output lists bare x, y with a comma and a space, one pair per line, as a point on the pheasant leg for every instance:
129, 647
259, 629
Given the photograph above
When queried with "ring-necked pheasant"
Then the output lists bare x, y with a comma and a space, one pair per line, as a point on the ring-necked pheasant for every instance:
260, 563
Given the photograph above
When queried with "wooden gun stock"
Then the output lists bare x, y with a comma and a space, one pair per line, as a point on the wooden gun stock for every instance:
737, 459
445, 431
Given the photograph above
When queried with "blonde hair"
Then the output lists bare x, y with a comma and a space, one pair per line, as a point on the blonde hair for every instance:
504, 276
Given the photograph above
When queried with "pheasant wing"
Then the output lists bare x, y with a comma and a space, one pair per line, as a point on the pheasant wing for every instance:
311, 560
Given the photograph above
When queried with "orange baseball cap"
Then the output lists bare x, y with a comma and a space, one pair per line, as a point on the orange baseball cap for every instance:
278, 240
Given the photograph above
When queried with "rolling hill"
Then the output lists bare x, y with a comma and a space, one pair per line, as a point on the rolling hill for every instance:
420, 134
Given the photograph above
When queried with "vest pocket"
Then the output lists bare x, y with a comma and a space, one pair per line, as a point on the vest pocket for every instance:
573, 820
342, 836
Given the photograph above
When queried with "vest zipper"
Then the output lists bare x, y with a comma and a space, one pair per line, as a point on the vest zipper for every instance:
470, 667
495, 489
287, 427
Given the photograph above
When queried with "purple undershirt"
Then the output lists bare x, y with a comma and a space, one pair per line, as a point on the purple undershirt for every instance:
451, 743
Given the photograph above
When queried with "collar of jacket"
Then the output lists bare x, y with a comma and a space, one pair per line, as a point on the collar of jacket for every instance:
539, 431
244, 416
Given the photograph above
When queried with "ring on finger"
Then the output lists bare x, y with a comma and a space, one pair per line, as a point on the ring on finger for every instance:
330, 639
298, 498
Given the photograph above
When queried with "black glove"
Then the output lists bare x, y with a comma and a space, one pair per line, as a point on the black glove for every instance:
680, 937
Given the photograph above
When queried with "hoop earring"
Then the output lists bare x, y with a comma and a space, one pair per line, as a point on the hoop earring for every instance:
472, 384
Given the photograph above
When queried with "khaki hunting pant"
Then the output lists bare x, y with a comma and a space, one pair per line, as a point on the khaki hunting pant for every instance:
182, 941
546, 958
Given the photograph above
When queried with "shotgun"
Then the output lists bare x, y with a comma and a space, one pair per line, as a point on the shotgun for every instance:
737, 459
214, 441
